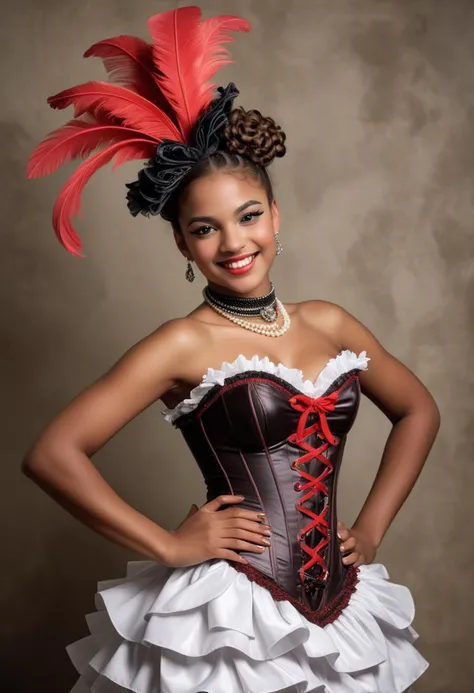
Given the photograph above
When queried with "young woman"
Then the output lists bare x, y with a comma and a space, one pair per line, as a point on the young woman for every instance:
261, 589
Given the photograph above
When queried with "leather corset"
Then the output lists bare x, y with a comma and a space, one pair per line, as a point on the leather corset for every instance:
258, 436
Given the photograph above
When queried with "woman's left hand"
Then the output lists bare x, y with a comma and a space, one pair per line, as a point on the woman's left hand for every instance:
356, 546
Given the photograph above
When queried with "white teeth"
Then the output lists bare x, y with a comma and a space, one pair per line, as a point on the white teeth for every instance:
239, 263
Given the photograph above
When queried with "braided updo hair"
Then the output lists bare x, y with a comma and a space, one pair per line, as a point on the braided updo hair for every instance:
249, 142
250, 134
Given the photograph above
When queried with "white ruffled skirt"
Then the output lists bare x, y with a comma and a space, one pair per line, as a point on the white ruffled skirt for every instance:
208, 628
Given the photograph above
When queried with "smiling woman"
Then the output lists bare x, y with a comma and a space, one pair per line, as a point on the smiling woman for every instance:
262, 589
235, 246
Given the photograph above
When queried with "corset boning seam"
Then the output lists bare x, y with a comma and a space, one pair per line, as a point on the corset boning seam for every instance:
322, 437
250, 477
270, 464
333, 503
216, 456
332, 609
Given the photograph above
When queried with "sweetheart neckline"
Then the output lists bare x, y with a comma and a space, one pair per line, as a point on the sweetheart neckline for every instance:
230, 364
335, 366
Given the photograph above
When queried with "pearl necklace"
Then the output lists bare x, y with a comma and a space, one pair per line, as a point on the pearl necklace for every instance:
245, 306
272, 330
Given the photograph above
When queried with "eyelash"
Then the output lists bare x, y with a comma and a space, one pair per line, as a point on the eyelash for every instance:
249, 214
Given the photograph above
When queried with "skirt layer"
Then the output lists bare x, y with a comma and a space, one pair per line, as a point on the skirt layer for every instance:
209, 629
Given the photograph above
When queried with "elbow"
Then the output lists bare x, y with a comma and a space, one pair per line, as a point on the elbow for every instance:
48, 460
434, 413
33, 462
436, 418
437, 413
425, 412
39, 461
429, 414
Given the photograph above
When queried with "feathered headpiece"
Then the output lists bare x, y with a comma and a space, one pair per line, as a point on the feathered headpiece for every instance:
159, 105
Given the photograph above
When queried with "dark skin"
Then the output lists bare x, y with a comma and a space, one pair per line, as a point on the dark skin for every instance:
222, 216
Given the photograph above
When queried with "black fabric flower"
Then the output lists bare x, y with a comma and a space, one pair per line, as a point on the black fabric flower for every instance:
173, 160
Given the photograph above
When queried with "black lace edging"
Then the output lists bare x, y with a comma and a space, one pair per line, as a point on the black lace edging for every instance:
321, 617
248, 375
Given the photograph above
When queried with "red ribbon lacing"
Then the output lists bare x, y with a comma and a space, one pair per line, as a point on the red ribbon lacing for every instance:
309, 405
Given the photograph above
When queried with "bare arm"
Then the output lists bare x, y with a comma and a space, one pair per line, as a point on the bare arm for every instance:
401, 396
59, 461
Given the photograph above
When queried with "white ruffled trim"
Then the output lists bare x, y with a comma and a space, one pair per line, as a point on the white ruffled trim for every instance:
209, 628
344, 362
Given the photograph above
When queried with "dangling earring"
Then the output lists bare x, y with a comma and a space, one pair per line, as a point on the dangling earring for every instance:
189, 274
278, 245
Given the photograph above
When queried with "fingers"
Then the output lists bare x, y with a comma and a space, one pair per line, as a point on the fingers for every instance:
352, 559
242, 545
231, 556
234, 511
223, 499
238, 533
342, 532
236, 524
232, 500
348, 545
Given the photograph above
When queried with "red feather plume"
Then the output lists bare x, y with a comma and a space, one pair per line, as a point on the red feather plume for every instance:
187, 53
68, 202
159, 90
128, 61
134, 110
214, 34
77, 139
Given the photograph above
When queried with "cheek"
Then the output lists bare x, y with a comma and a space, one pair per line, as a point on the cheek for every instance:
204, 252
265, 235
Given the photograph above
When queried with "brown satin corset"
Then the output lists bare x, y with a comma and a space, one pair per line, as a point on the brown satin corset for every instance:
258, 436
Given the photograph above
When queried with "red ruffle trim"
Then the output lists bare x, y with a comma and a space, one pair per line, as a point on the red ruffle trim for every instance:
321, 617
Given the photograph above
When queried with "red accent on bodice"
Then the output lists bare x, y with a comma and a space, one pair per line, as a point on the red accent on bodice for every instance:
309, 405
245, 436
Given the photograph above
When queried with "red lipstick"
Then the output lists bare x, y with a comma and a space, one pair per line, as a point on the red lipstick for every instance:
240, 264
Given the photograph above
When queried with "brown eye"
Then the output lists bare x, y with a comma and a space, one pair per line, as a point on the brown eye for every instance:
250, 215
202, 231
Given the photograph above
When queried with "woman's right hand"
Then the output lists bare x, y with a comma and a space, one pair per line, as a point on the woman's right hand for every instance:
208, 533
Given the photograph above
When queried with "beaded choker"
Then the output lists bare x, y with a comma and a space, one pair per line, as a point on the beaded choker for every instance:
236, 308
264, 307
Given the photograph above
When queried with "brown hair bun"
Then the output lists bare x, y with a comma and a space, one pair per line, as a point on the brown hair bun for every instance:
250, 134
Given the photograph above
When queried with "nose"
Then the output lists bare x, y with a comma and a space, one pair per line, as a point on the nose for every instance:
232, 242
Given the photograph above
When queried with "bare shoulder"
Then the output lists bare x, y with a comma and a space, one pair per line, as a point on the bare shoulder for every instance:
344, 328
184, 335
165, 355
316, 310
146, 371
387, 381
324, 316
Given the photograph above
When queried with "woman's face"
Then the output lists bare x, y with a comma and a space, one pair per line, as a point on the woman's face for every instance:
228, 228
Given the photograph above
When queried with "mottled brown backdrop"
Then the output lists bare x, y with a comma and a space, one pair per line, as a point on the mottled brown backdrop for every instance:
376, 195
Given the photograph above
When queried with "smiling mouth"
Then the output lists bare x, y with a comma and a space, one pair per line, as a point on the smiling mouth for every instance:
238, 263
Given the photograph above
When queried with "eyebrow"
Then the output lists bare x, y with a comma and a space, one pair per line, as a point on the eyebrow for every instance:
213, 220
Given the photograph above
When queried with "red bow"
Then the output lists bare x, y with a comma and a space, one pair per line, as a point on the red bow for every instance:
314, 405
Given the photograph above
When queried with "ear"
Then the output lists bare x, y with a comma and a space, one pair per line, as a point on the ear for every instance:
181, 244
275, 216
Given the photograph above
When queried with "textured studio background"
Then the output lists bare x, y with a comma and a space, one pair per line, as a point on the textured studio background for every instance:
376, 196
